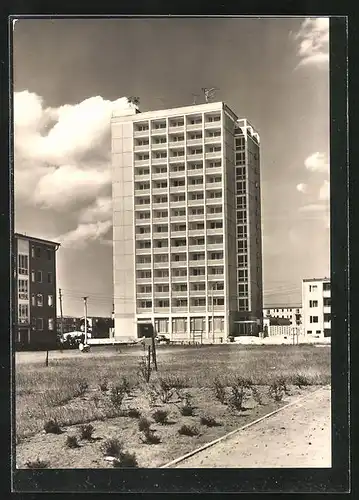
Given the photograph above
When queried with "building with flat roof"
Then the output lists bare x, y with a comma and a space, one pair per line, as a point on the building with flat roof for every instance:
34, 291
316, 304
292, 313
187, 223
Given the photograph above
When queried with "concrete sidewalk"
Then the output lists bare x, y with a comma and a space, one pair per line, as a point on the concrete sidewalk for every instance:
298, 436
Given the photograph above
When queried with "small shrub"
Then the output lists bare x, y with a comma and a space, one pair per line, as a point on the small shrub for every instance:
144, 371
187, 410
112, 447
71, 442
160, 416
134, 413
257, 395
208, 421
125, 385
278, 389
300, 380
219, 391
126, 460
117, 395
239, 392
104, 385
144, 424
187, 430
164, 390
86, 431
52, 427
37, 464
149, 437
82, 387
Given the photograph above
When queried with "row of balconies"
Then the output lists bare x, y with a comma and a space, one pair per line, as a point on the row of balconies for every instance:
181, 279
208, 155
162, 129
173, 144
180, 263
179, 309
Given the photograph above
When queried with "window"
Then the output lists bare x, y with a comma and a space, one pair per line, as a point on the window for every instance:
326, 287
33, 300
49, 254
309, 332
39, 276
327, 302
214, 149
144, 304
327, 318
318, 332
33, 276
32, 251
241, 187
314, 319
51, 323
39, 300
313, 303
50, 300
23, 286
38, 252
23, 313
40, 324
49, 277
23, 264
242, 304
313, 288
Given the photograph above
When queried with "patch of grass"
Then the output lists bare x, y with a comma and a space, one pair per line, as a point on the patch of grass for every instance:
144, 424
160, 416
37, 464
52, 427
188, 430
71, 442
86, 431
208, 421
126, 460
117, 395
134, 413
82, 386
112, 447
104, 385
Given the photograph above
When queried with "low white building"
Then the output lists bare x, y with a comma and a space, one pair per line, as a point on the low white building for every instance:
316, 307
293, 313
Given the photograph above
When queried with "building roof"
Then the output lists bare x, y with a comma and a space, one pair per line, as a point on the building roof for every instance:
305, 280
39, 240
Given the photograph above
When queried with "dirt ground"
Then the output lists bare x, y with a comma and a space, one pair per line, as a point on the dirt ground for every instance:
297, 436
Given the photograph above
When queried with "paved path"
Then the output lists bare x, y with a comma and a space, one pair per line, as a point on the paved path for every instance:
298, 436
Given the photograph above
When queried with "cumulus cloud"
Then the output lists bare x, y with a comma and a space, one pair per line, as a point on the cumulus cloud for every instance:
84, 233
62, 159
317, 162
313, 41
324, 191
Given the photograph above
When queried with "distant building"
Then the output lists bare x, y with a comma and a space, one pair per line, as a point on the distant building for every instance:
35, 291
316, 304
293, 313
187, 223
97, 327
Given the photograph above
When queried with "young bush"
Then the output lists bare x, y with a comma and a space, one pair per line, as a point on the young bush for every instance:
143, 371
37, 464
134, 413
187, 430
175, 381
278, 389
208, 421
149, 437
104, 385
112, 447
71, 442
126, 460
300, 380
160, 416
82, 387
144, 424
117, 395
239, 393
187, 410
219, 391
125, 385
52, 427
86, 431
256, 395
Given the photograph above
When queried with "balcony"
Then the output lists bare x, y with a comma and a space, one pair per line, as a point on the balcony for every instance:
142, 177
327, 294
194, 126
159, 190
177, 189
178, 218
141, 163
197, 263
176, 144
213, 124
159, 161
158, 250
161, 279
178, 234
195, 217
197, 308
143, 236
214, 201
141, 133
159, 131
140, 149
196, 233
195, 187
176, 159
327, 324
179, 309
195, 172
144, 295
215, 277
144, 281
179, 249
213, 140
201, 277
198, 293
215, 231
214, 170
141, 222
160, 176
143, 251
214, 185
215, 246
159, 218
178, 263
144, 310
194, 156
159, 204
195, 202
194, 142
179, 293
177, 174
142, 192
179, 279
162, 309
176, 129
143, 265
178, 204
160, 235
213, 154
196, 248
143, 206
215, 215
160, 265
164, 295
157, 147
215, 262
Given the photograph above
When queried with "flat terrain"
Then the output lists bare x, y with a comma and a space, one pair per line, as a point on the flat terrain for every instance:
297, 436
78, 388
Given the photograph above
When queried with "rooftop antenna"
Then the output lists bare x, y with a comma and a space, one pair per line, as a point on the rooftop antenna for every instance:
195, 98
209, 93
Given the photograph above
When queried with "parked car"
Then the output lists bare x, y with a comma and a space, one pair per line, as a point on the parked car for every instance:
162, 339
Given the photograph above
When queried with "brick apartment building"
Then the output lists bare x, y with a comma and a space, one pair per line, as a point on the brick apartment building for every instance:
34, 292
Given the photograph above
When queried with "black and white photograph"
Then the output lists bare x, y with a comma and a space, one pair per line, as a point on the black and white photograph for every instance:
172, 262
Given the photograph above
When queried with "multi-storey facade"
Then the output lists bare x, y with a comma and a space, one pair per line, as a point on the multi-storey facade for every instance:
293, 314
35, 291
316, 304
187, 223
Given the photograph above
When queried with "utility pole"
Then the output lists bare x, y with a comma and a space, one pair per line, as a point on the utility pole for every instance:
85, 307
61, 315
212, 290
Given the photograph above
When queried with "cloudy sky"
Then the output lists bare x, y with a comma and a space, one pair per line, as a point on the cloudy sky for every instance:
69, 75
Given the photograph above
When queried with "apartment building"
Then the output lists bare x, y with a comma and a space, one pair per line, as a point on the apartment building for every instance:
316, 304
34, 291
187, 223
293, 314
